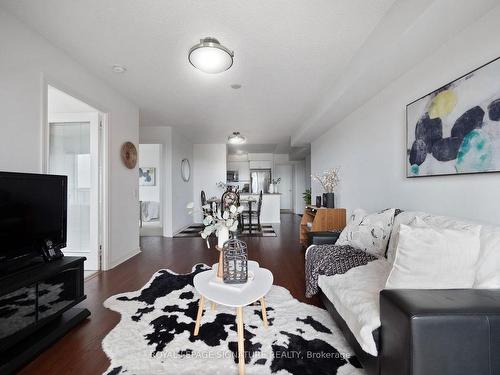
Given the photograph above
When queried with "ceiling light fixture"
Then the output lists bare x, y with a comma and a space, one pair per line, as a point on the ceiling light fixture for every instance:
236, 139
118, 69
210, 56
236, 86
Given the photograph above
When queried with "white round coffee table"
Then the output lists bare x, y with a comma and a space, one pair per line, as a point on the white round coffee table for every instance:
213, 289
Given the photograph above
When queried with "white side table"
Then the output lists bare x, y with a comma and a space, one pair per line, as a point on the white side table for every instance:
255, 290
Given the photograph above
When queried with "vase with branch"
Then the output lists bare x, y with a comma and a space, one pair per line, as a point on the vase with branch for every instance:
329, 181
222, 223
273, 186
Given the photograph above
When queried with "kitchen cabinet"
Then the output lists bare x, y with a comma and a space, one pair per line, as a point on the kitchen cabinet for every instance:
261, 164
242, 168
270, 212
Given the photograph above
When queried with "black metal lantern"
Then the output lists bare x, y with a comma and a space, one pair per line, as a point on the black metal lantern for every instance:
235, 262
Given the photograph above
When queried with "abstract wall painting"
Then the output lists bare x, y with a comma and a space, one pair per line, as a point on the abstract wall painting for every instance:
456, 129
147, 176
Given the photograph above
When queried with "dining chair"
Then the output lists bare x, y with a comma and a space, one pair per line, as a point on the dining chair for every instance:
206, 211
254, 213
228, 199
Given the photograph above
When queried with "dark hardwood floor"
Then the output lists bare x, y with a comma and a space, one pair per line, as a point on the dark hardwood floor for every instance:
79, 352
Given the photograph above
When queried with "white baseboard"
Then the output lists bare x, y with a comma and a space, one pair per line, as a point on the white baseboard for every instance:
183, 228
124, 258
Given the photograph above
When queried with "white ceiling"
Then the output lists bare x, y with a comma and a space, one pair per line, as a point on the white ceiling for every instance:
288, 56
409, 32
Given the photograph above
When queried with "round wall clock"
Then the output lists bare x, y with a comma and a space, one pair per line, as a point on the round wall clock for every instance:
185, 170
129, 155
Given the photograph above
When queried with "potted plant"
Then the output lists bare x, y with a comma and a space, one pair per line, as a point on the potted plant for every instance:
329, 181
307, 197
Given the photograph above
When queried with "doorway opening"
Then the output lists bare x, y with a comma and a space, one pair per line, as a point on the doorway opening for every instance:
285, 187
150, 176
74, 148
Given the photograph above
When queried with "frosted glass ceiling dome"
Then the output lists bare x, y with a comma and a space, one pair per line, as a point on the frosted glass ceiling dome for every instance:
210, 56
236, 139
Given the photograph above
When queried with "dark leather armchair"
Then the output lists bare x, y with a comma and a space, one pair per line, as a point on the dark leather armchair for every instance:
323, 238
432, 332
440, 332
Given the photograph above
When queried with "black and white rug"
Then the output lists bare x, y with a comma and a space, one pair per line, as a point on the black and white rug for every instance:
195, 229
154, 335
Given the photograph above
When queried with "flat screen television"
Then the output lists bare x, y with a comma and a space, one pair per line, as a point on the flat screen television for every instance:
33, 208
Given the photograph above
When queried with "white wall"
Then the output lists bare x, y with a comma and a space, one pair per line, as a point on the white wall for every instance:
149, 156
300, 179
162, 135
175, 192
208, 169
299, 176
370, 144
308, 171
182, 191
27, 62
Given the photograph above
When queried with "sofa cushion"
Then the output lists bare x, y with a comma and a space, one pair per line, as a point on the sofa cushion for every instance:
368, 232
435, 257
355, 295
488, 264
405, 217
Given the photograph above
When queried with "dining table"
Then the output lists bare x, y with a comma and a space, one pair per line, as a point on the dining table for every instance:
248, 201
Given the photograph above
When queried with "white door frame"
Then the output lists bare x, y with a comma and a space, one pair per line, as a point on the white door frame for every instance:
104, 206
292, 183
159, 181
93, 254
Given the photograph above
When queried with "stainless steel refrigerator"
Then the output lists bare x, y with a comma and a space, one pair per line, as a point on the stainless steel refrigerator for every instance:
260, 180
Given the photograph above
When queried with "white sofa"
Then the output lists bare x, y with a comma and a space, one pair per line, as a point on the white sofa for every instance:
355, 294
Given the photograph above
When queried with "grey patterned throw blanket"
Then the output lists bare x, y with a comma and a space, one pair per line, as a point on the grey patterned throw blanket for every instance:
332, 260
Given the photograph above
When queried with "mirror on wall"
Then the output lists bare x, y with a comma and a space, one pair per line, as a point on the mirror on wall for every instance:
185, 170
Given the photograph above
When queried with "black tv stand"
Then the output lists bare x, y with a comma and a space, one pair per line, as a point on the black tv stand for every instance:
37, 307
10, 269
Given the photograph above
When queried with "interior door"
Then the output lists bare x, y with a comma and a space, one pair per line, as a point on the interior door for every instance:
285, 172
74, 152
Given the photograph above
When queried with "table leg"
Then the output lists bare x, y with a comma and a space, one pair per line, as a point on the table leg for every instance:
264, 311
201, 304
219, 265
241, 345
213, 306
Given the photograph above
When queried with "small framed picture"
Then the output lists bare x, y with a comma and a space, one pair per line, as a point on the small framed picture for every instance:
147, 176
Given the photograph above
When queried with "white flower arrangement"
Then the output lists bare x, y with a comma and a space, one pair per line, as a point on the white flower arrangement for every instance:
329, 180
214, 223
276, 181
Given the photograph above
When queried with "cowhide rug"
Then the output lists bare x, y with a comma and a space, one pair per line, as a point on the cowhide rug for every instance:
154, 335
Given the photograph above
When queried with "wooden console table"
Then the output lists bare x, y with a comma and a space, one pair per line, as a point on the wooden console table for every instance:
318, 219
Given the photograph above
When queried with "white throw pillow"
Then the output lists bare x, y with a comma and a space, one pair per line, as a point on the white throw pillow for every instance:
430, 257
488, 265
368, 232
447, 222
405, 217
